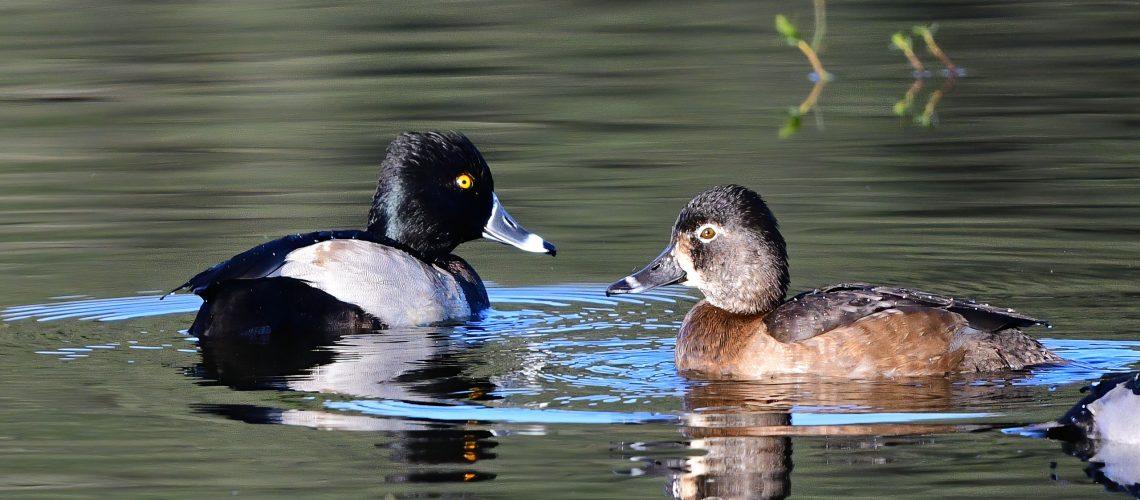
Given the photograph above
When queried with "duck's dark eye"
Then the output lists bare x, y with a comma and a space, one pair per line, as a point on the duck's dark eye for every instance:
464, 181
707, 233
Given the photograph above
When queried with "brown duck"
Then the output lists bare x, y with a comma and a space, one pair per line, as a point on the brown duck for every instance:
726, 243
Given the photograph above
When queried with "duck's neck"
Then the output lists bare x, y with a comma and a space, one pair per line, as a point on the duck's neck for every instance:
755, 303
429, 241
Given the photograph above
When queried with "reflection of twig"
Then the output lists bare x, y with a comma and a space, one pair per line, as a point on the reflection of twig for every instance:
820, 25
927, 34
812, 97
928, 117
903, 43
795, 115
902, 107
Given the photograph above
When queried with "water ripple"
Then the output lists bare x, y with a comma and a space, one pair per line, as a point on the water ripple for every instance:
593, 357
122, 308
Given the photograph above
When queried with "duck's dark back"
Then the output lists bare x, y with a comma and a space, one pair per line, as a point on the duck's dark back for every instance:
821, 310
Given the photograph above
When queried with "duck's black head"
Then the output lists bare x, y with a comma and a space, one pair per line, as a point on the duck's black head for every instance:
727, 244
436, 192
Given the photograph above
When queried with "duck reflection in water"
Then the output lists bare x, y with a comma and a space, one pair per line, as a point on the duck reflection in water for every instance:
742, 434
424, 365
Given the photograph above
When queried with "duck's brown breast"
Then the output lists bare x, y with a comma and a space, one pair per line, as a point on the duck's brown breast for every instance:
908, 341
712, 342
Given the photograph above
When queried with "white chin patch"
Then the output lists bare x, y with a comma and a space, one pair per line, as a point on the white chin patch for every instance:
692, 279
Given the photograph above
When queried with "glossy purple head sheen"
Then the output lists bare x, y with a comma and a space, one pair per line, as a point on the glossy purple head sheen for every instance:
420, 203
727, 244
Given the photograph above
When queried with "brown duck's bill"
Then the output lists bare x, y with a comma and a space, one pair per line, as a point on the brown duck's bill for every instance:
664, 270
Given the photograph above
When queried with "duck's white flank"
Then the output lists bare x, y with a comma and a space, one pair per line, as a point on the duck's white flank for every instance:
388, 283
1116, 416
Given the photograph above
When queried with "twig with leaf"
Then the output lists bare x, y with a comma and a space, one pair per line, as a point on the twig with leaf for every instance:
792, 36
902, 42
902, 107
927, 34
795, 115
929, 116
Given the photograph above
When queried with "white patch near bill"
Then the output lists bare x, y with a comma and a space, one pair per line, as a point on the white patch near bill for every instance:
692, 278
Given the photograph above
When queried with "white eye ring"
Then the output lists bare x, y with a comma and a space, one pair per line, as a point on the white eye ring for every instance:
700, 231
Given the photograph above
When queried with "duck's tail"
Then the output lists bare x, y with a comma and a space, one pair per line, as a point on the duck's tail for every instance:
1008, 349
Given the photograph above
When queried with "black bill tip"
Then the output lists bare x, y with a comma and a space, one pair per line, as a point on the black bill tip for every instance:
663, 271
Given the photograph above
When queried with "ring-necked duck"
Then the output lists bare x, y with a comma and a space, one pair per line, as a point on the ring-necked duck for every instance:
1101, 430
1110, 412
726, 243
435, 192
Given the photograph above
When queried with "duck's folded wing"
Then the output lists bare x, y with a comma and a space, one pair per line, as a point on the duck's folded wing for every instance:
817, 311
266, 258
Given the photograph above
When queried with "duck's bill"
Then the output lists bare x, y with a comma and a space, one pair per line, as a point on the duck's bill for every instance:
664, 270
501, 227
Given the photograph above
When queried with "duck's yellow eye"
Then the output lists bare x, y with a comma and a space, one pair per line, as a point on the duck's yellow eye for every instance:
707, 233
464, 181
